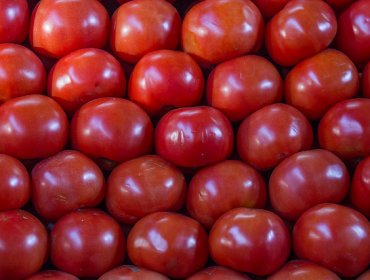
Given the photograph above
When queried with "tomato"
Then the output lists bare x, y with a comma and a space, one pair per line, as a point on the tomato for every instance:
164, 79
366, 81
22, 72
14, 16
142, 186
87, 243
250, 240
32, 126
339, 5
345, 129
360, 187
364, 276
84, 75
52, 274
24, 244
241, 86
141, 26
306, 179
301, 29
271, 134
130, 272
217, 30
60, 27
310, 89
334, 236
269, 8
169, 243
189, 137
218, 188
111, 128
218, 273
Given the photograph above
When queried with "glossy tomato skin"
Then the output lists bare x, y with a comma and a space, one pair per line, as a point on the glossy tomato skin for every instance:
169, 243
269, 8
241, 86
250, 240
271, 134
142, 186
345, 129
52, 274
131, 272
218, 273
218, 30
32, 126
87, 243
306, 179
112, 128
24, 244
84, 75
343, 233
310, 89
366, 81
360, 187
164, 79
22, 72
189, 137
15, 186
14, 16
60, 27
218, 188
141, 26
301, 29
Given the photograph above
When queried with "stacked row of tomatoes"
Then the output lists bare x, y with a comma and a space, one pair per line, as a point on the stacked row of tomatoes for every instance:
153, 139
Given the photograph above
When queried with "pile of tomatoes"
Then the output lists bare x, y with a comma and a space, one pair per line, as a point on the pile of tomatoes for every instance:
215, 139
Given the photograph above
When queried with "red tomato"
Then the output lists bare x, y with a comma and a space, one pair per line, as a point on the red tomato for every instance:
87, 243
360, 187
250, 240
218, 188
84, 75
189, 137
339, 5
366, 81
334, 236
15, 187
241, 86
345, 129
22, 72
32, 126
169, 243
269, 8
310, 88
217, 30
14, 16
271, 134
141, 26
165, 79
218, 273
130, 272
23, 244
300, 30
52, 274
60, 27
306, 179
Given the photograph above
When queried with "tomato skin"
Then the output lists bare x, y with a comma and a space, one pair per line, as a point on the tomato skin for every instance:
60, 27
141, 26
218, 273
215, 31
241, 86
345, 129
301, 29
79, 236
310, 89
52, 274
24, 244
189, 137
84, 75
22, 72
14, 16
271, 134
166, 78
32, 126
269, 8
342, 231
169, 243
366, 81
218, 188
130, 272
360, 187
250, 240
15, 186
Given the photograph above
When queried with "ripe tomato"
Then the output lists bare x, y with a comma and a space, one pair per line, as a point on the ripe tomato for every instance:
241, 86
269, 8
164, 79
87, 243
366, 81
130, 272
360, 187
52, 274
334, 236
32, 126
301, 29
24, 244
218, 273
169, 243
250, 240
14, 16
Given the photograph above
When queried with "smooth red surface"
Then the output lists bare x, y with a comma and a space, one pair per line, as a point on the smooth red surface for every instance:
269, 8
360, 187
339, 5
365, 82
14, 17
218, 273
52, 274
130, 272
